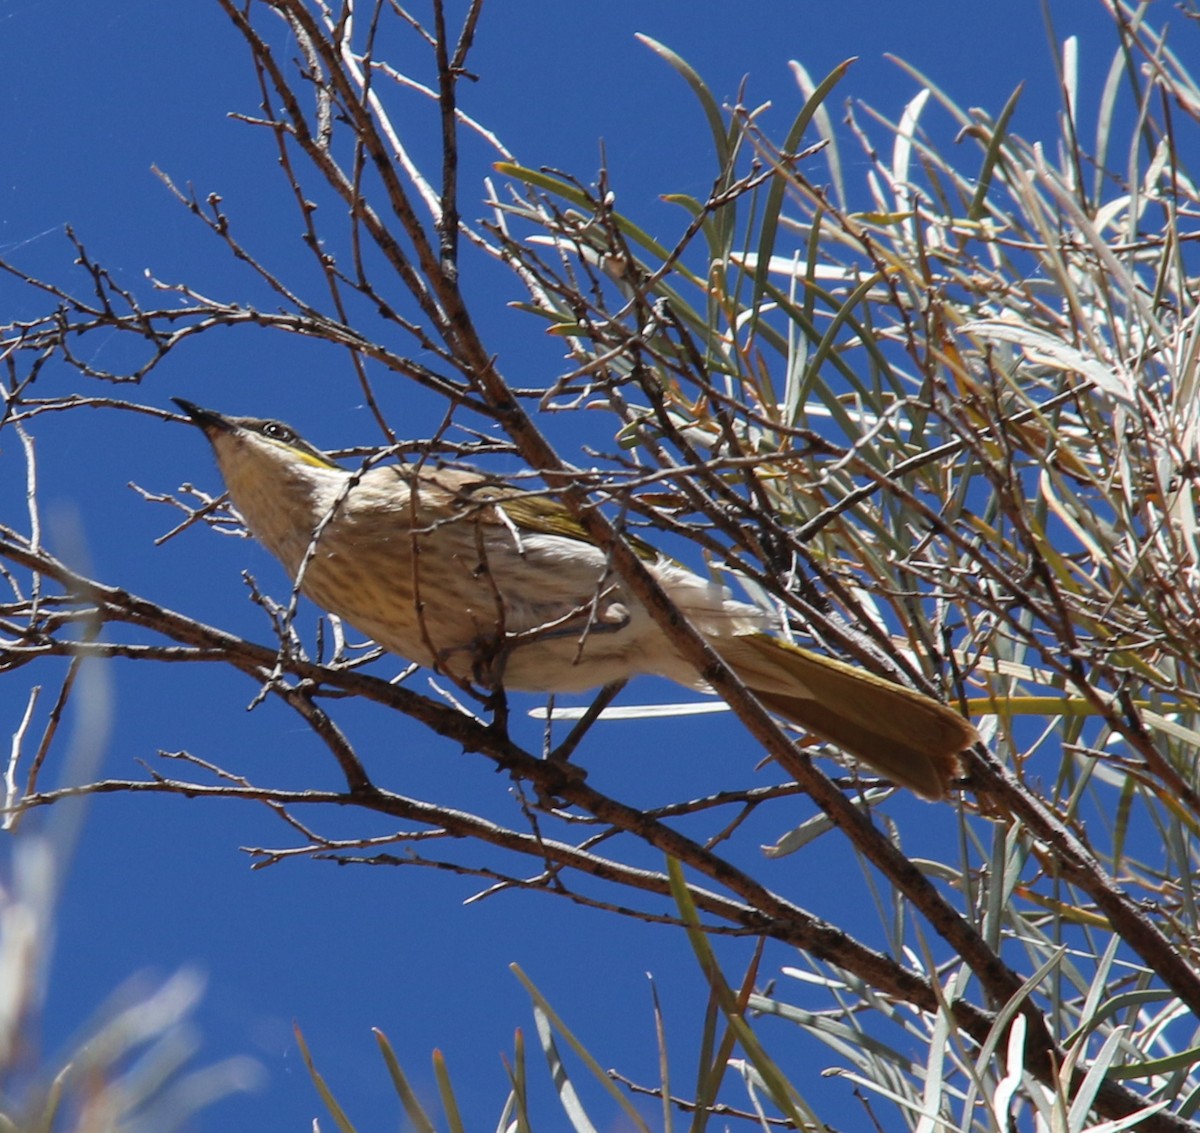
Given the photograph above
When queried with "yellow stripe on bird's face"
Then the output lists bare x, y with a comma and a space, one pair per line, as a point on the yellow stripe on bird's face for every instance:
284, 437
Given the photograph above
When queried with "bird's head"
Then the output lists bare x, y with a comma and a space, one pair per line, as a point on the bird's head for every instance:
253, 438
279, 483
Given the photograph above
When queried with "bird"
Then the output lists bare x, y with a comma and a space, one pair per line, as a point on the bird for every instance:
499, 586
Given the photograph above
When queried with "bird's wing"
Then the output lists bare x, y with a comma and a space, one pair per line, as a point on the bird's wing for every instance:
481, 497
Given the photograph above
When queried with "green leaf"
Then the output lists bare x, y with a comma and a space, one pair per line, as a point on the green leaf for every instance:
449, 1102
328, 1100
978, 207
421, 1121
775, 194
783, 1093
712, 112
548, 1022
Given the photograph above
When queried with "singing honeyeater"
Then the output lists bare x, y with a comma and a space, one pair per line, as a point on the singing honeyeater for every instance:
496, 585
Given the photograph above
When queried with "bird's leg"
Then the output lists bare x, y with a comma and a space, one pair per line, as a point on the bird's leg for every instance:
496, 702
614, 619
589, 618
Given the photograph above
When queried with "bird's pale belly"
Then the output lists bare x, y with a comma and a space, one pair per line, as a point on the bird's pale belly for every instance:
544, 615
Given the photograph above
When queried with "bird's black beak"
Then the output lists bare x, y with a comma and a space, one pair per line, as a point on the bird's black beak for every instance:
206, 419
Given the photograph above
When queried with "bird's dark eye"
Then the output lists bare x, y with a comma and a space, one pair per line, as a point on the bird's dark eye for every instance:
277, 432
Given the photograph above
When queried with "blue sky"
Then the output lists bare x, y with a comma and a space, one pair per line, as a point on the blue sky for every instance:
93, 96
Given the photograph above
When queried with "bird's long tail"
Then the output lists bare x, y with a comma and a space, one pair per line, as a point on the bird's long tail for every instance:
909, 737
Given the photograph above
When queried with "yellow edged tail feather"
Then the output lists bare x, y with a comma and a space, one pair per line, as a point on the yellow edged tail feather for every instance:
907, 736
